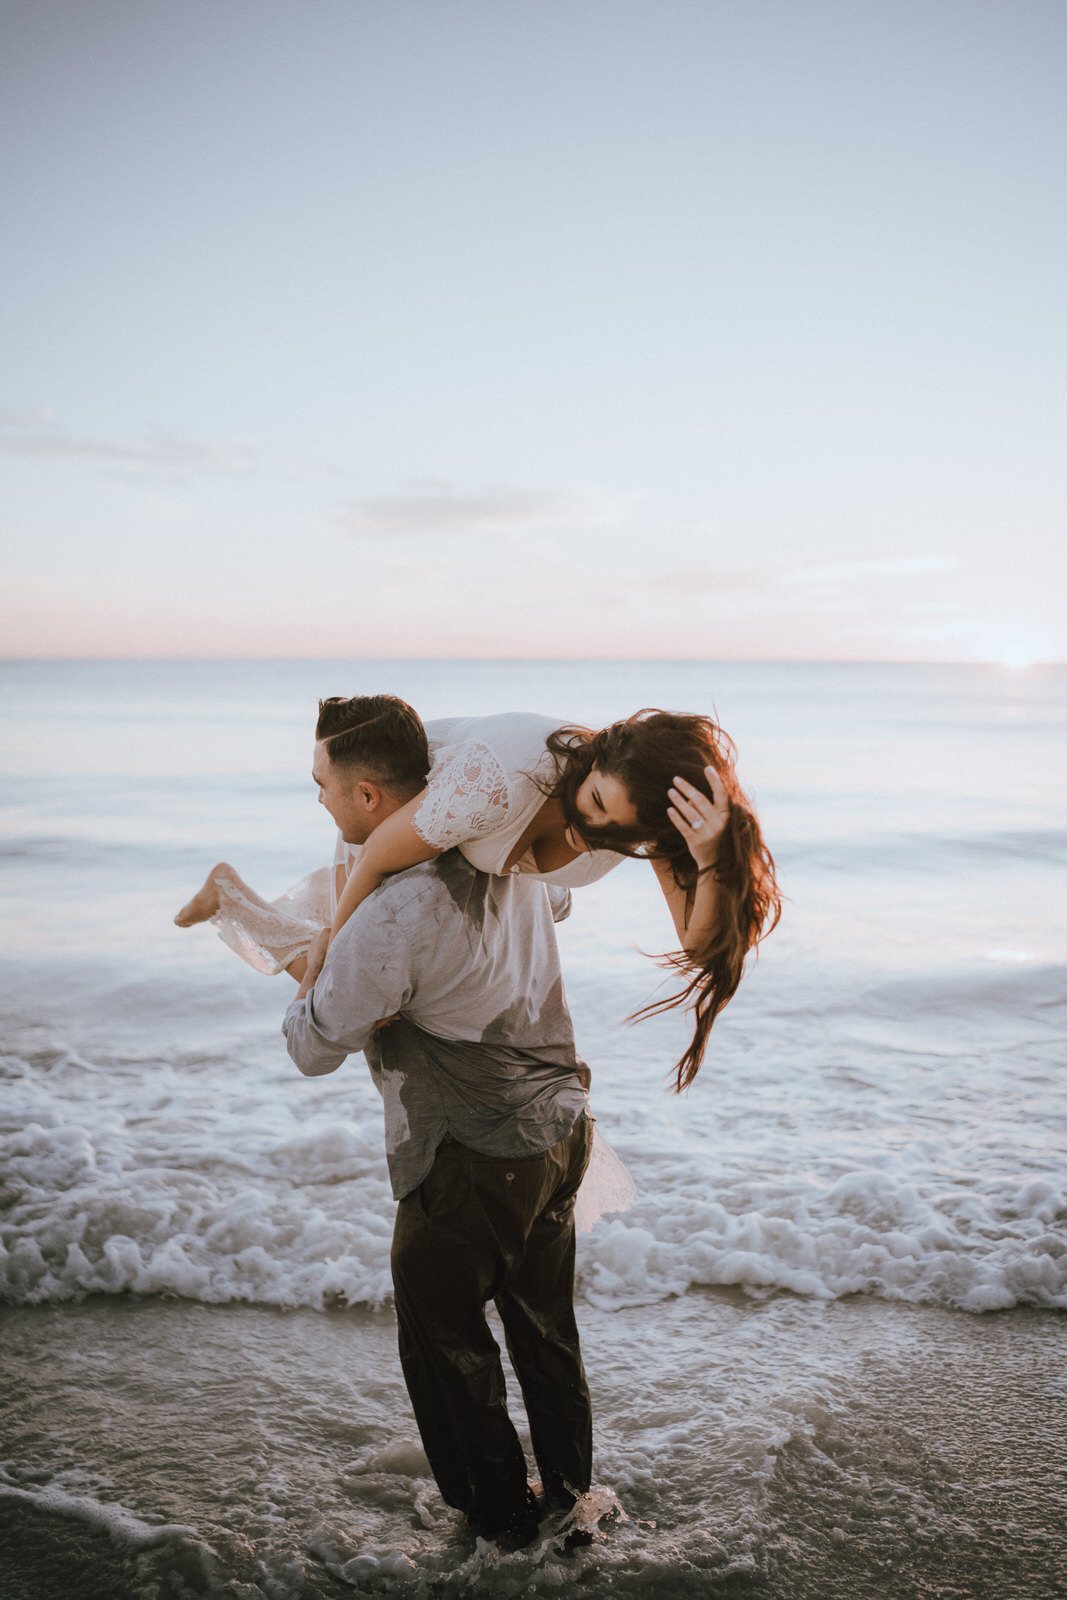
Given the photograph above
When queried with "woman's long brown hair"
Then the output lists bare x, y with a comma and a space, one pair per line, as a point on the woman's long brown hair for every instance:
646, 753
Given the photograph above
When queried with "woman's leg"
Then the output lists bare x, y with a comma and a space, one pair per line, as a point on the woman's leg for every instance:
206, 900
271, 936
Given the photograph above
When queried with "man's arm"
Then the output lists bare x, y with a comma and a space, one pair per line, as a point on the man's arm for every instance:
367, 976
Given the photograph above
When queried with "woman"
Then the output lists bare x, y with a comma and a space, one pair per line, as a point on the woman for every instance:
516, 793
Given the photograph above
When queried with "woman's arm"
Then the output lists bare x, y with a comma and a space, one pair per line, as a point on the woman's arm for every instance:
340, 878
700, 821
392, 846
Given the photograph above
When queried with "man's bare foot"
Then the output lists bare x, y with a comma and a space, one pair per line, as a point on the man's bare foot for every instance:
205, 902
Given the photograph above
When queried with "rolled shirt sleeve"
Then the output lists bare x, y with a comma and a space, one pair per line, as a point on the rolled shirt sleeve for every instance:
367, 977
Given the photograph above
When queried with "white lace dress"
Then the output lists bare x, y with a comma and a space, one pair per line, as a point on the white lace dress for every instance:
486, 784
487, 781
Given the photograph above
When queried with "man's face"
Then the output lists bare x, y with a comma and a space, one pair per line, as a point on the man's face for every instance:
348, 799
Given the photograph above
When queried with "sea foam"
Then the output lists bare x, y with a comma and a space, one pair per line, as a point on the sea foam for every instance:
263, 1206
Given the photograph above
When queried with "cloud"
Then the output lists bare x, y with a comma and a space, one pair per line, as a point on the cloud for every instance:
812, 579
693, 581
24, 417
876, 567
436, 511
180, 454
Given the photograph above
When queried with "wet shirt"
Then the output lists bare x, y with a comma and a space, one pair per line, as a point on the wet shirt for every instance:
483, 1051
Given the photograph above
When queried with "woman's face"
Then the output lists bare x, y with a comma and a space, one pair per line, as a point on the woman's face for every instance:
603, 801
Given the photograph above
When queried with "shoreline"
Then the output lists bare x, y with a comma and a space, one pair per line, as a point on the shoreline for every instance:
843, 1449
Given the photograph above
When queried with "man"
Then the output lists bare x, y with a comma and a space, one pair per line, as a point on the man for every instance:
486, 1126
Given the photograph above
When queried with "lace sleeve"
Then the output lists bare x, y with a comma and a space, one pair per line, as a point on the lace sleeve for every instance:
466, 796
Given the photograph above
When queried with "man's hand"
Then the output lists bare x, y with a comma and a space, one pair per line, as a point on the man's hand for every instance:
315, 957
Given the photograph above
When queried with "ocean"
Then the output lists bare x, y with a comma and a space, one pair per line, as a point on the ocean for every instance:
826, 1344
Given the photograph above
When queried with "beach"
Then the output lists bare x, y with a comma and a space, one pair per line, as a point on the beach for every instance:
841, 1448
825, 1344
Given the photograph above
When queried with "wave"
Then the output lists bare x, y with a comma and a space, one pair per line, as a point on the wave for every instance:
867, 1233
140, 1556
898, 853
88, 1210
97, 1206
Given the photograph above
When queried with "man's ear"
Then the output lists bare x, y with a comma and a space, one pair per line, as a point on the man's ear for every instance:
370, 794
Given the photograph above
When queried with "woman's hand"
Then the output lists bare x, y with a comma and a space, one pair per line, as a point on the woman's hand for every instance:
700, 821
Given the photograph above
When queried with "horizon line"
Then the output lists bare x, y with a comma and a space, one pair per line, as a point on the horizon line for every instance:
765, 661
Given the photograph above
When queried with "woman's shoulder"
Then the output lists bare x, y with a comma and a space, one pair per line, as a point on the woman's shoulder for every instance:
487, 773
515, 738
495, 728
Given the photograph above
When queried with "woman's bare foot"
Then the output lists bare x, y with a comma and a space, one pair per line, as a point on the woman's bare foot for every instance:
205, 902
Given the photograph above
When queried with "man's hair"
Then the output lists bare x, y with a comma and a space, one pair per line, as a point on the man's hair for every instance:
380, 737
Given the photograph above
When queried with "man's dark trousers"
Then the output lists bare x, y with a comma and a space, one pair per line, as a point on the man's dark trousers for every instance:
482, 1228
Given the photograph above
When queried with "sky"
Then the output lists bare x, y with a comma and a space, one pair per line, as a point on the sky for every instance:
713, 329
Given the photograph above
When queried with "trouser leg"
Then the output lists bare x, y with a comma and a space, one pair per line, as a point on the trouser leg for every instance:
442, 1279
482, 1228
536, 1306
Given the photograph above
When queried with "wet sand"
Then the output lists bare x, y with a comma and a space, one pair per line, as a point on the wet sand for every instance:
803, 1449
